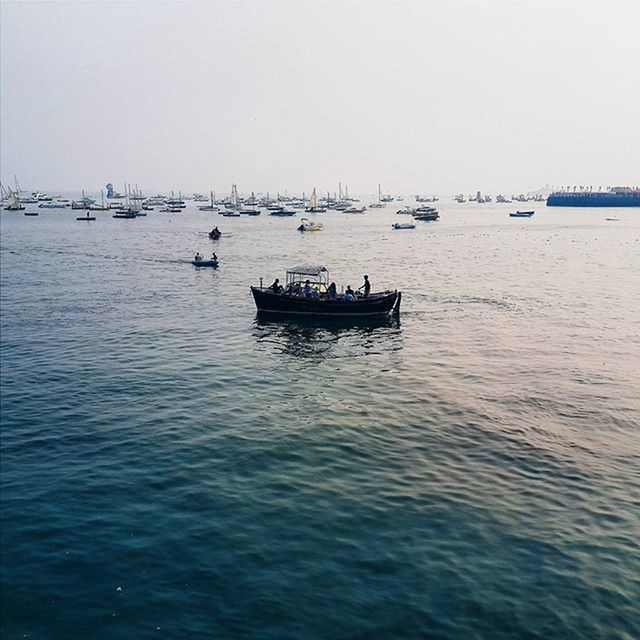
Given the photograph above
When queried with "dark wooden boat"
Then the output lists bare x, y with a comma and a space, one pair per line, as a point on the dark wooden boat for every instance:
427, 217
521, 214
291, 300
205, 263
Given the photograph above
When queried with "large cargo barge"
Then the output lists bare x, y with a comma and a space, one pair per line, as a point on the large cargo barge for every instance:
614, 197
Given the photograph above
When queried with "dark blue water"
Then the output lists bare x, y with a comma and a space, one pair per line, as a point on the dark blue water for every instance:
173, 467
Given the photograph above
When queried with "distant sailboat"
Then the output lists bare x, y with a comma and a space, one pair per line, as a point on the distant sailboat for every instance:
233, 210
14, 202
209, 207
379, 204
313, 204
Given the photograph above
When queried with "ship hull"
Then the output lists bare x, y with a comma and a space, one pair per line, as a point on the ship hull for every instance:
595, 199
377, 305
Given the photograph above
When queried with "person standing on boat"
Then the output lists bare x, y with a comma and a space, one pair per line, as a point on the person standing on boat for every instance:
214, 257
366, 287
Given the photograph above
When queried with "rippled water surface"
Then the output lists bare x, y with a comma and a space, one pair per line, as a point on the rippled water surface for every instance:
174, 467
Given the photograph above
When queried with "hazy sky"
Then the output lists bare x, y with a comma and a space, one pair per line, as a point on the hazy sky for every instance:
438, 96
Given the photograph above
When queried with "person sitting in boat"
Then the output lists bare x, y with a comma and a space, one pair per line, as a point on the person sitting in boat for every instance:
349, 296
306, 290
198, 257
331, 291
366, 287
276, 287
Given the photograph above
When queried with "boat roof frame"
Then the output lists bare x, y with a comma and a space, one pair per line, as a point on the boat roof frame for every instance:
317, 274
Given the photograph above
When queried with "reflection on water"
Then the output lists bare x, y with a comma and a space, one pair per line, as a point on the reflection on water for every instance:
316, 339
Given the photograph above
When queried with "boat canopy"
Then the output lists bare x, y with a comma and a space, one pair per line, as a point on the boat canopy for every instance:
317, 275
307, 271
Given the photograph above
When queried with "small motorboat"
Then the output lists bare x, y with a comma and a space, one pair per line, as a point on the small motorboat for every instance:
355, 210
430, 216
307, 225
403, 225
281, 212
129, 215
521, 214
31, 213
51, 205
205, 263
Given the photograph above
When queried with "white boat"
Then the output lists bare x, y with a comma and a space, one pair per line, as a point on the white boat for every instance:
379, 204
83, 203
209, 207
100, 207
313, 206
232, 206
403, 225
307, 225
386, 197
14, 203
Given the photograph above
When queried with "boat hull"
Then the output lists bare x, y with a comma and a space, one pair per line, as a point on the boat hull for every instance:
594, 199
205, 263
376, 305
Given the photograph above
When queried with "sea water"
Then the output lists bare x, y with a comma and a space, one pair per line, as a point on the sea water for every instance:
175, 467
